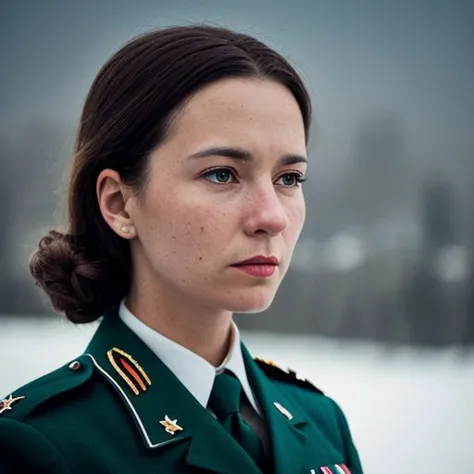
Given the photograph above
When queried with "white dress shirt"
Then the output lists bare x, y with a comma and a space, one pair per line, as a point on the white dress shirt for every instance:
194, 372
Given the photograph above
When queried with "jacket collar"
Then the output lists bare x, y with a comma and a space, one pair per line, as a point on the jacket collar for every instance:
292, 437
286, 424
159, 403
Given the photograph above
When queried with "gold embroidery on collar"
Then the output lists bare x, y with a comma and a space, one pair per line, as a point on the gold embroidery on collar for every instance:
135, 379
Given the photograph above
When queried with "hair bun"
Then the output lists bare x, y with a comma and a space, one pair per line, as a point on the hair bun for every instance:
70, 279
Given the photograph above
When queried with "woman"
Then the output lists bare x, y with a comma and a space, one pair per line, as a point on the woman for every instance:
185, 204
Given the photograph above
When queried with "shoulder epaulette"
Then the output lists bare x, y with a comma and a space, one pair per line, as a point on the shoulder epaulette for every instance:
275, 372
24, 400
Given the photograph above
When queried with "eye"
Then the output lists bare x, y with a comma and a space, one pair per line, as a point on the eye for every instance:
220, 176
291, 180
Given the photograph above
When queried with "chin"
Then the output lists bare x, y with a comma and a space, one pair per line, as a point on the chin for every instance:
251, 303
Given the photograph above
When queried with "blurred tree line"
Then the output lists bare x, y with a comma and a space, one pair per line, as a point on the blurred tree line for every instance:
386, 254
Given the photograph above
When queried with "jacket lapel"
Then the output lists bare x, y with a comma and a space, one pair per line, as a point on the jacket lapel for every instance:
163, 410
287, 426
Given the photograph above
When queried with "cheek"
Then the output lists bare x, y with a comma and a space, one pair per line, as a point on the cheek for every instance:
191, 228
208, 226
296, 216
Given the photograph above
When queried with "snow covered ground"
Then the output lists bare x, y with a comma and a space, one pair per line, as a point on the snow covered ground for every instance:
411, 411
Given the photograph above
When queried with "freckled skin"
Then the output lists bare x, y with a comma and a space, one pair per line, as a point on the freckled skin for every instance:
190, 229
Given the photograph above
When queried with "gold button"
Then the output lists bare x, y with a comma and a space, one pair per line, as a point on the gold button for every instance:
76, 365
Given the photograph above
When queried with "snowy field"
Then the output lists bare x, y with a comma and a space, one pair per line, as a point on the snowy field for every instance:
410, 411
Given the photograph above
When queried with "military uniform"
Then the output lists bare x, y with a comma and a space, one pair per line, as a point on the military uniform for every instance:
118, 408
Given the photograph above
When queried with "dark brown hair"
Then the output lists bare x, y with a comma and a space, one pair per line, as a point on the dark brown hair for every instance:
127, 113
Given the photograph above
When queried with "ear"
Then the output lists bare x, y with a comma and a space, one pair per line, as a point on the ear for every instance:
112, 195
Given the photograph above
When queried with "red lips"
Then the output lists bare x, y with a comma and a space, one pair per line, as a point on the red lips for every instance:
259, 260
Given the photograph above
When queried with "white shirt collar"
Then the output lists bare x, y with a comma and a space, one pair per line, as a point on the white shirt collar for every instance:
194, 372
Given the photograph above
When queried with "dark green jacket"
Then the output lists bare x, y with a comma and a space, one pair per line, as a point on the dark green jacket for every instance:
87, 417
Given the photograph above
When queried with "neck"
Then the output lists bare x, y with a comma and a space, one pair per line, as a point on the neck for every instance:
203, 330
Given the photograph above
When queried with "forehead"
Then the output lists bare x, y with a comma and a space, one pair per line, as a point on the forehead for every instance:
247, 109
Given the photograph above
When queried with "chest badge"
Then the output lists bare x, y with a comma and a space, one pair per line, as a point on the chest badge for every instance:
171, 426
7, 403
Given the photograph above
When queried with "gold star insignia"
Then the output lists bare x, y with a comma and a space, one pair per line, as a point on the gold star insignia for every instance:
7, 403
170, 425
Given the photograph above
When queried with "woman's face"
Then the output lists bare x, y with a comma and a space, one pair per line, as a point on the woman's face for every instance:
223, 188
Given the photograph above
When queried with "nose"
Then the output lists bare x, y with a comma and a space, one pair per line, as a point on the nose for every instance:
265, 212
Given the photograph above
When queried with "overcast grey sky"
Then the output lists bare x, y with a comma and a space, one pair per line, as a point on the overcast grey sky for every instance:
410, 58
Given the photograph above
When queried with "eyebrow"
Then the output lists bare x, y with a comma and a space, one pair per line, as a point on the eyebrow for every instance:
244, 155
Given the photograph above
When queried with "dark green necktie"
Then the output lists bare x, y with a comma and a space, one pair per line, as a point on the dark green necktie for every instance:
225, 403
